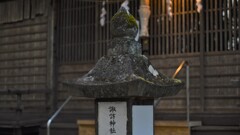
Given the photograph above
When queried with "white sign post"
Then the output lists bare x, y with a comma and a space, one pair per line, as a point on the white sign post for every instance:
125, 116
142, 120
112, 118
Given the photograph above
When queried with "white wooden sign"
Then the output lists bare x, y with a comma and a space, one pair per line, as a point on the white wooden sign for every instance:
112, 118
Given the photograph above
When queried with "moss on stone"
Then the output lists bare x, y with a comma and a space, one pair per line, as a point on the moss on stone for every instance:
177, 81
130, 19
141, 78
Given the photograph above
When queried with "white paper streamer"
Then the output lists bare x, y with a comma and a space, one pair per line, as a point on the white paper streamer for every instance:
137, 36
103, 14
125, 5
153, 71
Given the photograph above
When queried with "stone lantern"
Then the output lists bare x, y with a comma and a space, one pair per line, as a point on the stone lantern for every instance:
124, 83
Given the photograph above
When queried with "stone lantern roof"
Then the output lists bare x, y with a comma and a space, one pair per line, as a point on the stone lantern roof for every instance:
124, 72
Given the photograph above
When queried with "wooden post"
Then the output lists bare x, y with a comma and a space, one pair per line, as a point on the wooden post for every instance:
202, 59
145, 46
145, 2
51, 65
144, 12
238, 23
96, 32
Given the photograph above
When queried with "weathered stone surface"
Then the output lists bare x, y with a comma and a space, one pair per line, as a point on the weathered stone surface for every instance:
122, 46
124, 72
123, 24
125, 75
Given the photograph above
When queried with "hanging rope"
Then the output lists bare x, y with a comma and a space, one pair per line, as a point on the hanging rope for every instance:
199, 5
169, 8
103, 14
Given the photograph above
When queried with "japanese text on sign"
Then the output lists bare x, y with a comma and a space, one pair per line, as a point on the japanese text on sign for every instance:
112, 111
112, 118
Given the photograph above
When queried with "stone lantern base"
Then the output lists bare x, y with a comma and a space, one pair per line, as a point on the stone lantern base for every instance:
124, 116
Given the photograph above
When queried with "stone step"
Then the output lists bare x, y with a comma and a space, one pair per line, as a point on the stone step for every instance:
196, 129
216, 130
34, 130
60, 129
